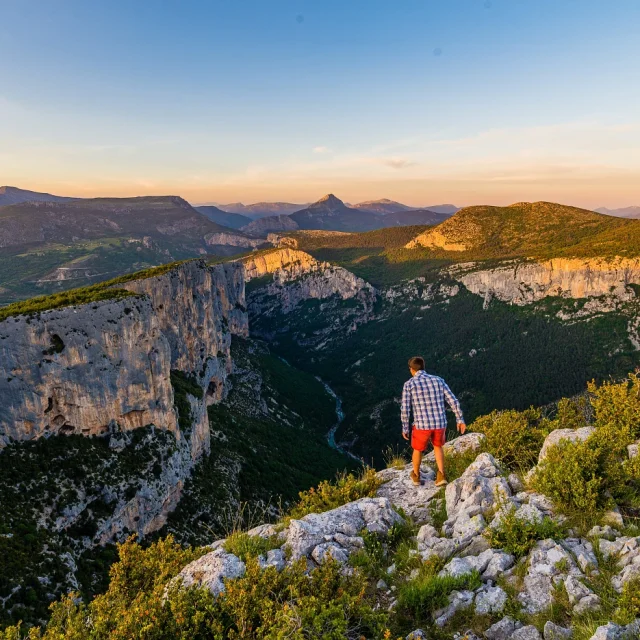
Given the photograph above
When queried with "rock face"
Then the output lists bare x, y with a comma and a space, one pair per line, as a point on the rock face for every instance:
233, 240
524, 283
105, 368
78, 369
297, 277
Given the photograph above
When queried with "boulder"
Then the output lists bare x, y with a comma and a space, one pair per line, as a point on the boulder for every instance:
473, 493
490, 600
582, 551
418, 634
503, 629
587, 604
609, 631
526, 633
273, 558
211, 570
553, 631
400, 491
373, 514
457, 600
572, 435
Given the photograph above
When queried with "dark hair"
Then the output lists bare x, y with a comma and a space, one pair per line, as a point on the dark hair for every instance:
416, 363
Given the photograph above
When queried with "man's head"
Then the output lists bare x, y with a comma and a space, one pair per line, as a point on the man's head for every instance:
416, 364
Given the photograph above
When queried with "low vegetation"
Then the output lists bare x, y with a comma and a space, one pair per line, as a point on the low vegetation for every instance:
329, 495
107, 290
586, 477
517, 535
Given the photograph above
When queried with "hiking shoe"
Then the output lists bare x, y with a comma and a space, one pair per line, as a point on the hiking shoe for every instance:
415, 479
440, 479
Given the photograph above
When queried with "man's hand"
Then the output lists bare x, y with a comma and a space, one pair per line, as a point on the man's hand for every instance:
462, 427
405, 435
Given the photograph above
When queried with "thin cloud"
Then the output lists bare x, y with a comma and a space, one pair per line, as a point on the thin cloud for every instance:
320, 149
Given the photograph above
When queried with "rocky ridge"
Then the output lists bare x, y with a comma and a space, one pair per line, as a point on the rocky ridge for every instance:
475, 502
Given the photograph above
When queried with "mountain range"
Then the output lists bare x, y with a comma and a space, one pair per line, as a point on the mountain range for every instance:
624, 212
332, 214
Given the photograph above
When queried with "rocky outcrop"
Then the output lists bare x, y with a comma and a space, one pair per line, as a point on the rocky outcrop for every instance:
526, 282
233, 240
268, 262
297, 277
104, 368
79, 369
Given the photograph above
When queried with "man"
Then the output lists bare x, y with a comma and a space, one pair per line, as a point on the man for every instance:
423, 397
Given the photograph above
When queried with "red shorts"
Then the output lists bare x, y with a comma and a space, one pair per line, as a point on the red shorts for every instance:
420, 438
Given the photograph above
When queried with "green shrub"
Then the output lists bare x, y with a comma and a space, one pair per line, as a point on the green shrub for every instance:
429, 592
516, 535
572, 475
245, 546
584, 477
329, 495
513, 437
261, 604
629, 602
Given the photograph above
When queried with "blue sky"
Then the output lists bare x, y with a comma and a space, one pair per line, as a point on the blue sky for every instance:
462, 101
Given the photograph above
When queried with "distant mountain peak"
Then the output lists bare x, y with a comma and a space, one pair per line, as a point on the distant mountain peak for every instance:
329, 199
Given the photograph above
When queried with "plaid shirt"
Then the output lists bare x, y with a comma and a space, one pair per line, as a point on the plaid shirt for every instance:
424, 396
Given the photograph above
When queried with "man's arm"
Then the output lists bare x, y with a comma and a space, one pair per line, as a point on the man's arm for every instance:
405, 410
453, 402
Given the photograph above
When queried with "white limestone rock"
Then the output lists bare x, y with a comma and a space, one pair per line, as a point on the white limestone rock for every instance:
210, 571
490, 600
559, 435
553, 631
503, 629
273, 558
373, 514
457, 600
400, 491
526, 633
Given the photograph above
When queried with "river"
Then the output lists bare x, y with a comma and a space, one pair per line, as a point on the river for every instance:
331, 434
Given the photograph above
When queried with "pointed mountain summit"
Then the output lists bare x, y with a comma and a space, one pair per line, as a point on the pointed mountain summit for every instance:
330, 204
331, 214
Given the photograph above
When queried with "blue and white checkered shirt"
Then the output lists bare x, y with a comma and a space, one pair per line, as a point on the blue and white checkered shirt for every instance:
424, 396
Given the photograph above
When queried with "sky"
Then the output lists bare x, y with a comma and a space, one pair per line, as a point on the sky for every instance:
425, 102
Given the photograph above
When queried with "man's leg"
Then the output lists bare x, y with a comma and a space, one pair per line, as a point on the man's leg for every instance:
439, 454
416, 458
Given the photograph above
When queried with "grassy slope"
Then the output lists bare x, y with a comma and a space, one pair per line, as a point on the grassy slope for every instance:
540, 230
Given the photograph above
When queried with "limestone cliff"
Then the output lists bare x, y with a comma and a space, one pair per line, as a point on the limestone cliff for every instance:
104, 368
298, 276
526, 282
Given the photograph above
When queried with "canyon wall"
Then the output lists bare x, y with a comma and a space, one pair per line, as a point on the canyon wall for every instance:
524, 283
78, 369
298, 276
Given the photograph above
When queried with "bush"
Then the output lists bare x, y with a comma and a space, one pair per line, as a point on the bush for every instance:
329, 495
584, 477
261, 604
516, 535
245, 546
429, 592
513, 437
629, 602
